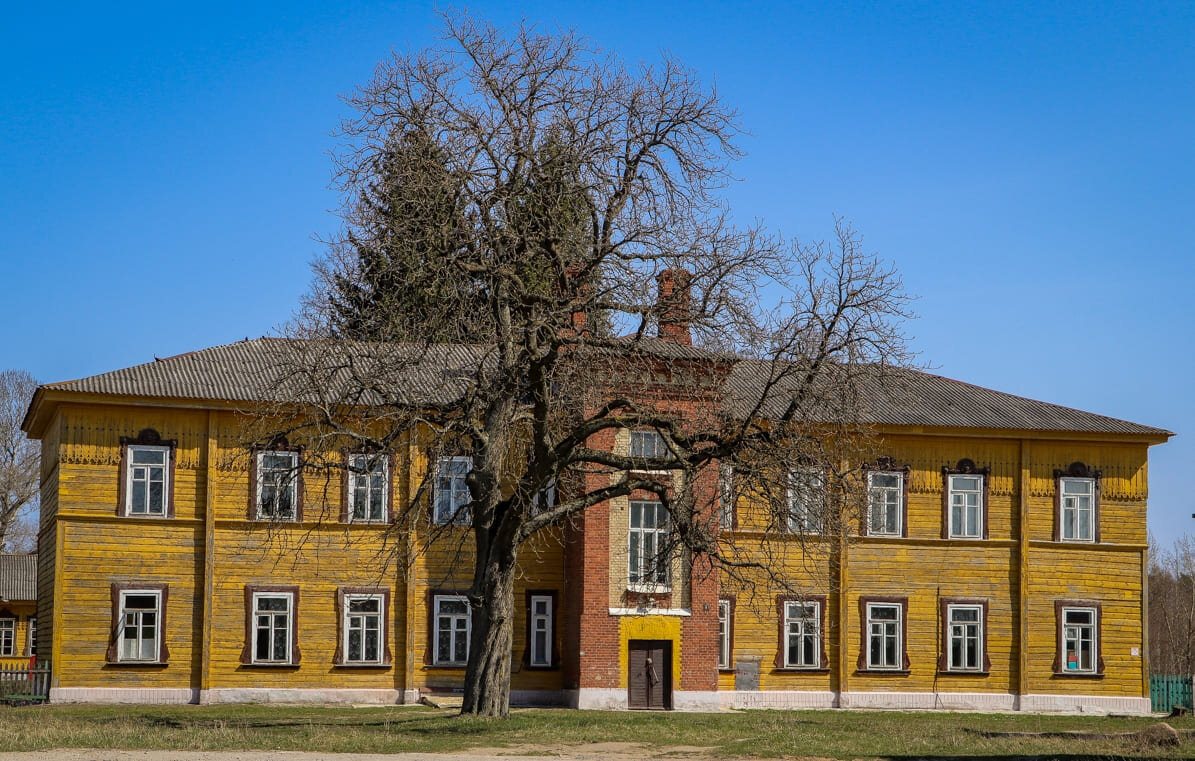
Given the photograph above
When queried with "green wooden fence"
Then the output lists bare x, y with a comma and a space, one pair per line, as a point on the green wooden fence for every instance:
1167, 691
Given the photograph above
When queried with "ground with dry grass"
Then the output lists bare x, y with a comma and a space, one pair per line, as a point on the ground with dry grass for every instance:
255, 731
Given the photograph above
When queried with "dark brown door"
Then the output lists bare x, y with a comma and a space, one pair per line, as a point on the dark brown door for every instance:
649, 683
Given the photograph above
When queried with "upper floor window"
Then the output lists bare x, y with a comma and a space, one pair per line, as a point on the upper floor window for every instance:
8, 636
452, 490
1077, 508
965, 496
453, 626
368, 487
148, 479
649, 445
648, 544
806, 501
726, 496
885, 503
147, 470
802, 632
277, 485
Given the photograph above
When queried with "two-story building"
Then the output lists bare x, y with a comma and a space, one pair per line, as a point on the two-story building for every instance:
1000, 564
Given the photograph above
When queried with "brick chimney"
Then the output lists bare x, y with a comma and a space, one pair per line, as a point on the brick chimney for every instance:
674, 301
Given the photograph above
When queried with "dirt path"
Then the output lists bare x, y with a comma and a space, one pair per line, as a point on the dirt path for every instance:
622, 751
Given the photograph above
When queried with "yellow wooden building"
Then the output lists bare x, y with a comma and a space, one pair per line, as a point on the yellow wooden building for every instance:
1000, 564
18, 610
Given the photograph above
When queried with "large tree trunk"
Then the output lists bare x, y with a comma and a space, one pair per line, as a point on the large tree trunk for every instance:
487, 677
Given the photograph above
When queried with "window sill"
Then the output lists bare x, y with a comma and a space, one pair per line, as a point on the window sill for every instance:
727, 670
948, 672
882, 672
801, 670
363, 522
362, 665
540, 667
269, 665
1079, 675
650, 589
445, 666
139, 664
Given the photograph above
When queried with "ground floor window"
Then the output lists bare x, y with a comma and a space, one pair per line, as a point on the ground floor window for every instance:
541, 630
883, 642
8, 636
802, 634
1078, 638
453, 627
140, 627
364, 630
965, 624
725, 632
33, 635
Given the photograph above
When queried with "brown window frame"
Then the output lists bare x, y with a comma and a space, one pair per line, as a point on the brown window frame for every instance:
1059, 647
346, 481
903, 602
296, 657
886, 465
1078, 470
146, 437
782, 633
554, 661
279, 445
965, 467
944, 644
339, 658
112, 654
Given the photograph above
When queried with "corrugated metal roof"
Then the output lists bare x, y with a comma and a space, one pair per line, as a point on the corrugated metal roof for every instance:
250, 371
18, 578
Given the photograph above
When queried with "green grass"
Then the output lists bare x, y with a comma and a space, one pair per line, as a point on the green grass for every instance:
767, 734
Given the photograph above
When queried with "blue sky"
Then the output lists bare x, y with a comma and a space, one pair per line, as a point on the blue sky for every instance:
1029, 168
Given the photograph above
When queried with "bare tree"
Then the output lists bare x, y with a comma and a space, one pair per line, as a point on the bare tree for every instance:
546, 199
19, 461
1172, 607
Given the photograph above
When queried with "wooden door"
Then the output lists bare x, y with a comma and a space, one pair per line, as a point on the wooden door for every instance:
649, 681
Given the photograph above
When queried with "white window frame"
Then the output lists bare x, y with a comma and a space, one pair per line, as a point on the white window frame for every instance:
32, 633
957, 499
806, 501
1064, 508
545, 498
954, 633
897, 624
802, 627
873, 490
467, 632
347, 627
156, 650
131, 468
358, 461
455, 496
8, 637
292, 484
290, 628
643, 571
725, 627
541, 622
1064, 636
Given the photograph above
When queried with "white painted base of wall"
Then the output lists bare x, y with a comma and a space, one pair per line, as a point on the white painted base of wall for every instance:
782, 699
930, 701
124, 695
276, 695
696, 700
1084, 704
596, 699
